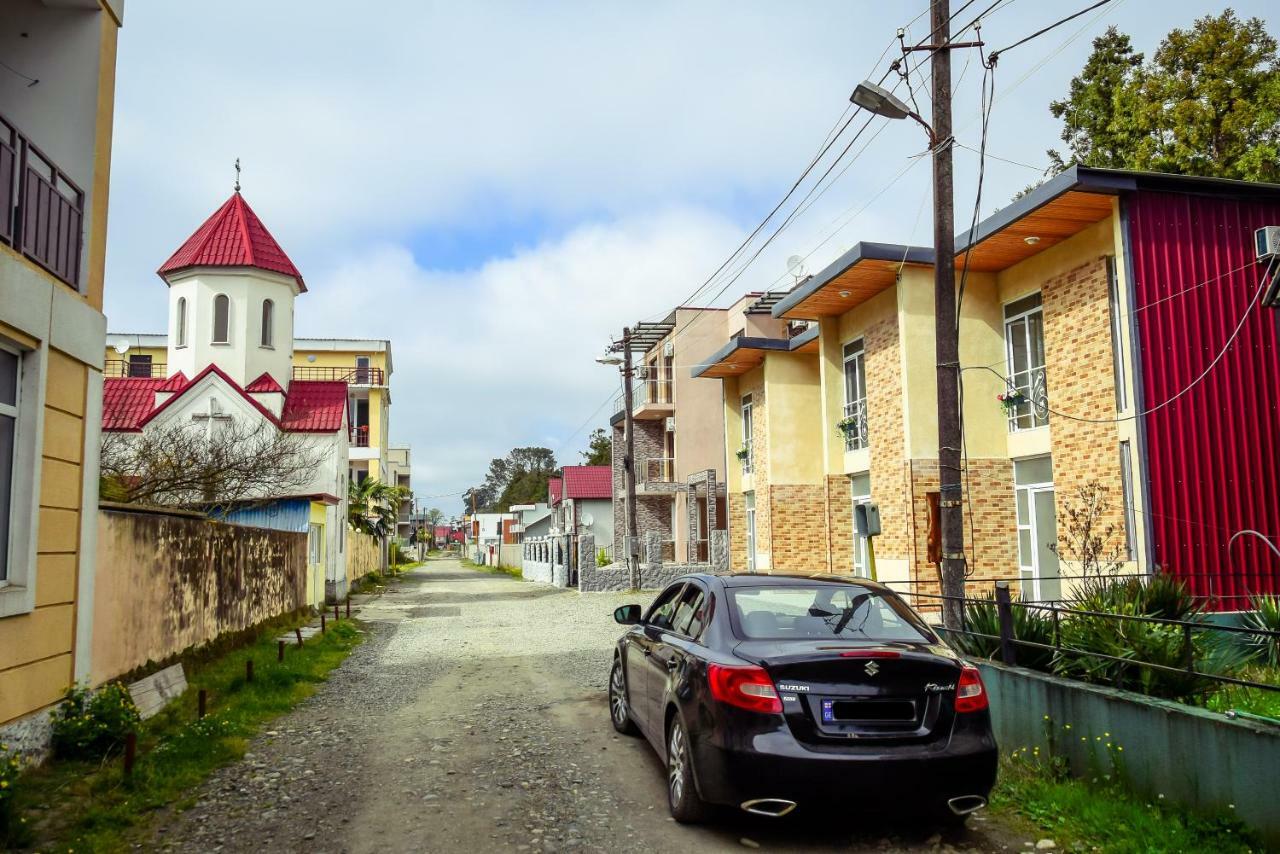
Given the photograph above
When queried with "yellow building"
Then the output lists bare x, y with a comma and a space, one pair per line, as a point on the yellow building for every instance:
55, 155
363, 364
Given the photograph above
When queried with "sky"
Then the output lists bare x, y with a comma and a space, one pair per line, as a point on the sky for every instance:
498, 188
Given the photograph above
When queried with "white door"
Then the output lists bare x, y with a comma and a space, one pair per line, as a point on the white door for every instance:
1037, 529
751, 531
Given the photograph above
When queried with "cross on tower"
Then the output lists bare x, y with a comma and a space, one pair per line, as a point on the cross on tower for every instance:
237, 174
211, 418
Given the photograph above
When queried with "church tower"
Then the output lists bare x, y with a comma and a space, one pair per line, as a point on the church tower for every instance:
231, 293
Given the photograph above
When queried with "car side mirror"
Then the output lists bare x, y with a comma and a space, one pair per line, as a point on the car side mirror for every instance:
627, 615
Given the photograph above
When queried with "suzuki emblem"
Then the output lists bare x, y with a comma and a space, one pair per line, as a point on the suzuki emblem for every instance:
872, 668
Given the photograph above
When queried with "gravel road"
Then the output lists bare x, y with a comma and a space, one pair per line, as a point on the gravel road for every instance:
474, 718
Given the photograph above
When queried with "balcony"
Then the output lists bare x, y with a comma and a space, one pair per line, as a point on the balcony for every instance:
354, 375
1029, 388
360, 436
43, 210
650, 400
660, 470
116, 368
853, 425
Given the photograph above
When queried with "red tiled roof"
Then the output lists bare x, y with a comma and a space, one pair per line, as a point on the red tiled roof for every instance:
588, 482
232, 237
315, 407
264, 383
177, 382
126, 401
555, 486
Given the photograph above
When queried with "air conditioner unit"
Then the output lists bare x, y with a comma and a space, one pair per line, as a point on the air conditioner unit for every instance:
669, 349
1267, 242
671, 424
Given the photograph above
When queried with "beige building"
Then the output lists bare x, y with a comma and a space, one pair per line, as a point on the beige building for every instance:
55, 156
679, 429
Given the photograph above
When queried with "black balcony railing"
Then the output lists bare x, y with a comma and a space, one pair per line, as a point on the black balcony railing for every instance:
115, 368
43, 210
354, 375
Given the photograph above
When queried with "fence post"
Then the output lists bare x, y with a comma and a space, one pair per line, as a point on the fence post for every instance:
130, 752
1188, 651
1057, 637
1004, 608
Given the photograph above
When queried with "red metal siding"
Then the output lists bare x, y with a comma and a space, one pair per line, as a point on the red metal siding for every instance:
1214, 453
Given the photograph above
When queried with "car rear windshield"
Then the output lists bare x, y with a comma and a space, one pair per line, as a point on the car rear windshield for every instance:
847, 611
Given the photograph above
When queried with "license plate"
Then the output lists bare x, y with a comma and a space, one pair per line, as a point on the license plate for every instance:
867, 711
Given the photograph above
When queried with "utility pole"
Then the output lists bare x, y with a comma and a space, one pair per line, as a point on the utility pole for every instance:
629, 462
946, 333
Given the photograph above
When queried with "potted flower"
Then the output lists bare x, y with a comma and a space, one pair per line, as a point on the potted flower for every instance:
1011, 400
743, 454
847, 426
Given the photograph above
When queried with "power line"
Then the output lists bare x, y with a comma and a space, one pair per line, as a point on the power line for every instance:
995, 54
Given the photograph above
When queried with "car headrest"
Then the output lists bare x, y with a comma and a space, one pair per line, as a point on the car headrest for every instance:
761, 624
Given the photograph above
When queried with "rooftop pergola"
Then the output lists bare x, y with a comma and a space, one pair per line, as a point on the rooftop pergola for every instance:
645, 336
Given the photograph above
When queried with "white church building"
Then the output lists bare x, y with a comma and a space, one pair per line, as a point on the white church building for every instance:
230, 359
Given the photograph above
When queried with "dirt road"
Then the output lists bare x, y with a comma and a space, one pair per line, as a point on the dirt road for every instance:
475, 719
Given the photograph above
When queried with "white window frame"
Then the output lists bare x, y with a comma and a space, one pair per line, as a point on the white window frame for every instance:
855, 404
1127, 499
1031, 576
266, 336
749, 500
18, 589
861, 555
180, 336
1027, 410
1117, 335
315, 551
748, 427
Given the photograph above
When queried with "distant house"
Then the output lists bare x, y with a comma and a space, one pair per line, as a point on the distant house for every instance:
490, 531
585, 502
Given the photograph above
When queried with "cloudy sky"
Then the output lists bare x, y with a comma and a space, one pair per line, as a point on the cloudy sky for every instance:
499, 187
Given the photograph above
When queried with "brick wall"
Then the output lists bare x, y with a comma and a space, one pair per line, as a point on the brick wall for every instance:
737, 532
884, 431
839, 499
799, 525
1081, 382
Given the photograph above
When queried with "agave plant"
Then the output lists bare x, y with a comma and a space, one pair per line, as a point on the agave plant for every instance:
1265, 617
1030, 625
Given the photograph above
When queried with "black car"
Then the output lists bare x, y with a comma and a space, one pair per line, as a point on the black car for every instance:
765, 692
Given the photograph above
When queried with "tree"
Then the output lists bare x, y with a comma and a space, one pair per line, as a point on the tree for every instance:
599, 450
433, 520
518, 478
182, 465
1090, 539
373, 507
1208, 103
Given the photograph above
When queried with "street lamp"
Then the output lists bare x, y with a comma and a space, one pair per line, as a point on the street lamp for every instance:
882, 102
609, 359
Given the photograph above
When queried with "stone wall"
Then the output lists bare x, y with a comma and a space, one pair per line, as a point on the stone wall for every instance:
536, 563
166, 582
654, 575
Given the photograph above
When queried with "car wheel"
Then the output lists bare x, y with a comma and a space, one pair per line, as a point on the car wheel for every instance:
682, 793
619, 709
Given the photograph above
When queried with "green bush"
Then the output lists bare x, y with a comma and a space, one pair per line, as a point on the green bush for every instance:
602, 557
10, 768
1265, 617
1029, 624
1128, 642
90, 725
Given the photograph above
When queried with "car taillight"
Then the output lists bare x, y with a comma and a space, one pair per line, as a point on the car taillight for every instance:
971, 696
747, 687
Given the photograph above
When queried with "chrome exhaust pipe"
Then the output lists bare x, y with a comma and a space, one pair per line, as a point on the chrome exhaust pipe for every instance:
772, 807
966, 804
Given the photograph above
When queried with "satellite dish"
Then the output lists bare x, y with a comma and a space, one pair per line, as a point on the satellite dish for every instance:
311, 357
588, 520
795, 266
121, 346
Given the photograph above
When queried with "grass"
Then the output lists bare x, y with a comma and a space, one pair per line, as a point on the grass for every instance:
1084, 816
1254, 701
82, 806
513, 571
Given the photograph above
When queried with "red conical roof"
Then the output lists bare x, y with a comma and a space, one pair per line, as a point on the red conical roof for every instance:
232, 237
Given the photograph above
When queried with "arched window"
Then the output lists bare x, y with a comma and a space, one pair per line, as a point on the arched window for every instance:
182, 322
221, 319
268, 316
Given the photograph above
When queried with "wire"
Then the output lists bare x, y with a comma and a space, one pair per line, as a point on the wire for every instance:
995, 54
1235, 333
31, 81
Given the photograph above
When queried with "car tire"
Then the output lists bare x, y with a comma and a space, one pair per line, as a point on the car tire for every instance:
619, 707
682, 792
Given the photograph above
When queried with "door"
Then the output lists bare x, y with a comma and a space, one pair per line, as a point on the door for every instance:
1037, 529
640, 648
362, 370
668, 661
1046, 535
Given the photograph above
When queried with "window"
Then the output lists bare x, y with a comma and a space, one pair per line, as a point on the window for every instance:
180, 332
750, 499
689, 613
847, 611
861, 486
362, 370
221, 319
663, 610
268, 318
10, 377
1117, 335
854, 422
1126, 489
1024, 343
748, 426
315, 542
139, 365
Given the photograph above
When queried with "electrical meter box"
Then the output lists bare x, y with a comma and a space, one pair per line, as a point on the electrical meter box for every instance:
866, 519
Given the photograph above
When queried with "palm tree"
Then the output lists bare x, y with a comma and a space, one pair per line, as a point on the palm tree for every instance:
373, 507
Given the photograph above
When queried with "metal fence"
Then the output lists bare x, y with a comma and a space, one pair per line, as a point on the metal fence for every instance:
1057, 613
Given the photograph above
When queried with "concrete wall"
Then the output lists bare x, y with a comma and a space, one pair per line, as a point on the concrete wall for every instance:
511, 556
1190, 756
169, 581
364, 555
